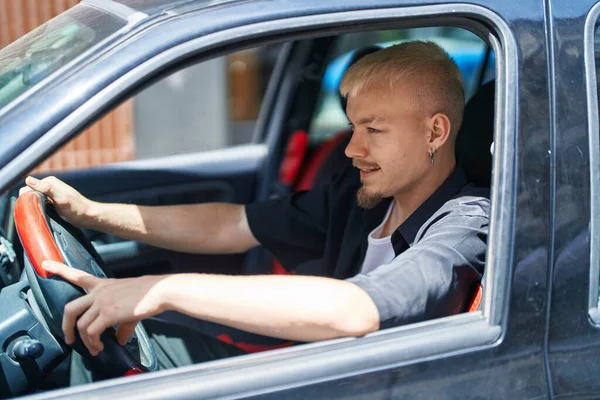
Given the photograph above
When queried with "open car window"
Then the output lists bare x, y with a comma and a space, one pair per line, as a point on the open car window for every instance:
166, 117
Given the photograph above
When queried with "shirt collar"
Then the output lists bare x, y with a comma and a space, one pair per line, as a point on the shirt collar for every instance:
447, 190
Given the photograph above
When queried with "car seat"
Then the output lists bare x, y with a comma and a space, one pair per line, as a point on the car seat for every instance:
474, 149
476, 135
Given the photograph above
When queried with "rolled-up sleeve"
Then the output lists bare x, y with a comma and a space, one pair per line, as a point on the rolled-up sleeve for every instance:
437, 275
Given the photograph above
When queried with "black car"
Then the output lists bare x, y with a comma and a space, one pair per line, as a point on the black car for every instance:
531, 133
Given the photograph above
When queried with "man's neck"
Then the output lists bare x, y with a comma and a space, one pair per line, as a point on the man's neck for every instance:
408, 201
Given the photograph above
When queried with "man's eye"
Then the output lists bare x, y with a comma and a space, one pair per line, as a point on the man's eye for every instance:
373, 130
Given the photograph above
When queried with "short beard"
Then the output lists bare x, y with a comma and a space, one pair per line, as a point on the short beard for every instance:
367, 200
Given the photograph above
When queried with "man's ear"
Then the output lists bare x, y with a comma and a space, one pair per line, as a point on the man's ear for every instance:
439, 129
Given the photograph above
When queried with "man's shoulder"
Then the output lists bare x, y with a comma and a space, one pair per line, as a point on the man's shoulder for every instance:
471, 200
470, 207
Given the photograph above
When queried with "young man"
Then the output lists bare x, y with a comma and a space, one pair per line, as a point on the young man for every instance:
397, 239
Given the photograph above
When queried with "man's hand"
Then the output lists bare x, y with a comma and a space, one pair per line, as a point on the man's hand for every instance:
108, 302
69, 203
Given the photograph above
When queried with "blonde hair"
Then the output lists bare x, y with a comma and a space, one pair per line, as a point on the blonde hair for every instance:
439, 83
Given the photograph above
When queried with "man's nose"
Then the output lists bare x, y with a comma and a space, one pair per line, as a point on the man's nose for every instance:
356, 147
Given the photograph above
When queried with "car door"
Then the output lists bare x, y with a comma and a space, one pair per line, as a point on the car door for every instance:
498, 352
574, 324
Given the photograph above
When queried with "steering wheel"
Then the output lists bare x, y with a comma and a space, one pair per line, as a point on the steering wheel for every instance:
46, 236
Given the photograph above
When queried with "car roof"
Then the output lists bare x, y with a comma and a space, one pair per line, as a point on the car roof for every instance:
154, 7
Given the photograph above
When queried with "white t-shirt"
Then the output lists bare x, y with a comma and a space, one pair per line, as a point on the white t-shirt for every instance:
380, 250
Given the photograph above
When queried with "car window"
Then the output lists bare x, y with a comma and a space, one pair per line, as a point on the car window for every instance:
221, 96
214, 104
472, 55
27, 61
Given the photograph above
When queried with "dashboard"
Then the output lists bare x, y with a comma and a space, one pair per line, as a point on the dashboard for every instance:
28, 350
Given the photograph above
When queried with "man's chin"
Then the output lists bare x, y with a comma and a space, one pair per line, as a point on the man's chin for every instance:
367, 200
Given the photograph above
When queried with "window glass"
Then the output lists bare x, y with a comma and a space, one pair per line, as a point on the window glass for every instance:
27, 61
467, 49
208, 106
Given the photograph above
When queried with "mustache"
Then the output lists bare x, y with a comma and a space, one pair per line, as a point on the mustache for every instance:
362, 164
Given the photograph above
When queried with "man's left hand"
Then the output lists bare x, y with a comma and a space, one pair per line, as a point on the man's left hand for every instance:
108, 302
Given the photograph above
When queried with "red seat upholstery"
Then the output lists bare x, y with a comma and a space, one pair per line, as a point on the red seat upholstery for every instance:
250, 347
295, 154
476, 301
317, 159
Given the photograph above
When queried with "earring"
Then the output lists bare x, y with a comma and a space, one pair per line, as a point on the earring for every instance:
432, 155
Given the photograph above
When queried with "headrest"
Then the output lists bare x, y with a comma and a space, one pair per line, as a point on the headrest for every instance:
476, 135
357, 55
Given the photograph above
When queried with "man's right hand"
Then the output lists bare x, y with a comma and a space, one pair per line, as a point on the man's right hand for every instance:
68, 202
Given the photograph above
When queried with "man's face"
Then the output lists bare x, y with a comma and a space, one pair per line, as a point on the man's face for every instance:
390, 141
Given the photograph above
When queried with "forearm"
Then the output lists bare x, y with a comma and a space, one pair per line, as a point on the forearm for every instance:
289, 307
198, 228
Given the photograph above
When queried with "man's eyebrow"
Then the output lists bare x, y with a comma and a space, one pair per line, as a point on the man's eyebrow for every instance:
369, 120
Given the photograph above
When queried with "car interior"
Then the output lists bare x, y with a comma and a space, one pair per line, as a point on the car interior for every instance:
308, 151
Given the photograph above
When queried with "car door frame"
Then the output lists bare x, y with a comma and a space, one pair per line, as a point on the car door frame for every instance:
473, 334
